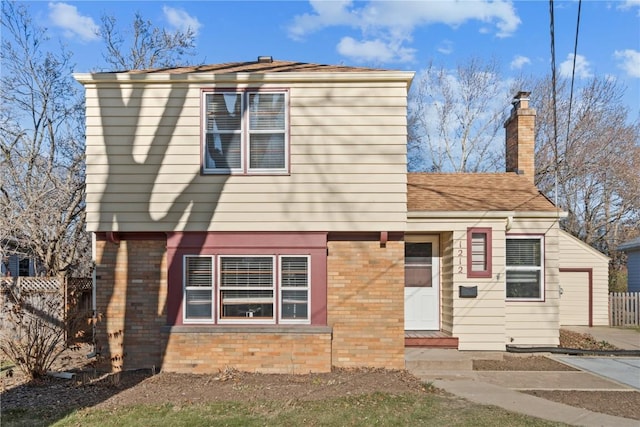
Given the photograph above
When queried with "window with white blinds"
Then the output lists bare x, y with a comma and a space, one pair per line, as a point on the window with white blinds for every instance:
248, 289
245, 132
479, 252
294, 288
524, 268
198, 287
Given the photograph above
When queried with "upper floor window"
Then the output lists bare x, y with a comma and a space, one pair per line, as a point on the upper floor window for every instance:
245, 132
525, 269
479, 252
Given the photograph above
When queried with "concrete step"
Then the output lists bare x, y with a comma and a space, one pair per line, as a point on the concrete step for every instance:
441, 360
439, 365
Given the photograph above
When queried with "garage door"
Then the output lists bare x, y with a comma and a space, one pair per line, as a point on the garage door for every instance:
574, 300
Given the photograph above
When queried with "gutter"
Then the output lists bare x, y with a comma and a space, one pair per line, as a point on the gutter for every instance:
94, 314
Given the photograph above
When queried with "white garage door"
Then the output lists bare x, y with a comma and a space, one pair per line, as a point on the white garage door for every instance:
574, 300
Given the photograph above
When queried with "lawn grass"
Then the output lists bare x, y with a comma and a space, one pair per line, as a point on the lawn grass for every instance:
378, 409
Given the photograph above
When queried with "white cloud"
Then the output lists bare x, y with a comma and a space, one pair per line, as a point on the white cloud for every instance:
519, 61
73, 24
390, 24
374, 51
583, 68
181, 20
446, 47
629, 61
629, 4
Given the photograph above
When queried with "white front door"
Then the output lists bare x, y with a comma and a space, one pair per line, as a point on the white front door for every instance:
421, 284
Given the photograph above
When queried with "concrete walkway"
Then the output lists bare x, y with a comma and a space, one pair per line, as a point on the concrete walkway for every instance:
452, 370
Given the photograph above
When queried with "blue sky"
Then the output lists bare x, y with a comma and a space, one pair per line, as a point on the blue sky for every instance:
403, 35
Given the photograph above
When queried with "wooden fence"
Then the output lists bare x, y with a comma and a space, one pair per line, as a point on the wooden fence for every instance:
624, 309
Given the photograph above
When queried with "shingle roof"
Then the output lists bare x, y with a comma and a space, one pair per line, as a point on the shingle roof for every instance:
256, 67
474, 192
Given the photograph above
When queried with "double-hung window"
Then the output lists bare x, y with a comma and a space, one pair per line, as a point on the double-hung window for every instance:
294, 289
198, 288
245, 132
525, 269
247, 289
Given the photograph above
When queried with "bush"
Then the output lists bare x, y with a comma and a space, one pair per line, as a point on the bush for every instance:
33, 329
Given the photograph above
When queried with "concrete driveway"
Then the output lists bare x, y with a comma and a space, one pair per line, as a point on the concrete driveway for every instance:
624, 370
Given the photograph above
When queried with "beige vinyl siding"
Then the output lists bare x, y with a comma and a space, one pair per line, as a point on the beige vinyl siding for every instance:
575, 254
536, 323
446, 286
347, 160
478, 323
489, 322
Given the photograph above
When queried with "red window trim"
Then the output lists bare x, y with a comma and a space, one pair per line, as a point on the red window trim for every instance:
312, 244
487, 273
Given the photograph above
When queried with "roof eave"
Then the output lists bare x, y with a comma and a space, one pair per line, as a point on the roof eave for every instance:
486, 214
247, 78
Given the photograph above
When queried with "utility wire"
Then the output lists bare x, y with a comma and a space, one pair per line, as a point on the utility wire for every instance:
553, 96
573, 73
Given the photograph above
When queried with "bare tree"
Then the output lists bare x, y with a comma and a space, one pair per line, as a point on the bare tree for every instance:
596, 155
144, 46
41, 147
455, 117
590, 160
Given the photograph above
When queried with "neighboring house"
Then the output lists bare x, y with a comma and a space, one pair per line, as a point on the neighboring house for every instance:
13, 262
632, 249
260, 216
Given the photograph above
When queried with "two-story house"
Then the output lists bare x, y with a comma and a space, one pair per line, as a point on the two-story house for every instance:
259, 215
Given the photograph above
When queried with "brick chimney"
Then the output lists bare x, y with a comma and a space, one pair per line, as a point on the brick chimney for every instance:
520, 137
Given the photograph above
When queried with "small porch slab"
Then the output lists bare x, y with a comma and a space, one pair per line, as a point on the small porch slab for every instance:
430, 339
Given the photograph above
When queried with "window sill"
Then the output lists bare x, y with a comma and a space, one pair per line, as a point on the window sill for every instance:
251, 329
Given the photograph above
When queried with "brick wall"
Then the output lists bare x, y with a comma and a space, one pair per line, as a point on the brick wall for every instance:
365, 303
131, 301
267, 351
365, 313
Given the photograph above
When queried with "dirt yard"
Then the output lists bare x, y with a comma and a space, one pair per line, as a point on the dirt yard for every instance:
88, 389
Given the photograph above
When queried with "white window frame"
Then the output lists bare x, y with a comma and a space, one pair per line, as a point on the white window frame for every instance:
216, 291
219, 289
245, 133
540, 269
283, 288
185, 288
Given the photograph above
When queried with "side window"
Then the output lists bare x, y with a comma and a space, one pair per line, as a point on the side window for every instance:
198, 288
525, 278
294, 289
245, 132
479, 252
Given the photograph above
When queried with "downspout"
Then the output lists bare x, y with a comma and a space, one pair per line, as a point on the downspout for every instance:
94, 314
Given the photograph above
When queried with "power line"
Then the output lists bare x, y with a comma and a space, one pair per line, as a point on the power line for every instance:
573, 72
553, 96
